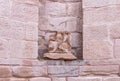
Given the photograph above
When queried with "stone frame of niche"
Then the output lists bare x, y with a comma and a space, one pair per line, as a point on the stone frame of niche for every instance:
78, 50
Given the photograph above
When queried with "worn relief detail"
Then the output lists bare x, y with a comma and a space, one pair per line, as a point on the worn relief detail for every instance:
59, 46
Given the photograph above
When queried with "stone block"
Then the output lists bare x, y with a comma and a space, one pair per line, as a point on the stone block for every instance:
99, 32
101, 15
33, 2
28, 72
97, 49
30, 49
4, 48
40, 79
111, 79
84, 79
99, 3
74, 9
17, 79
23, 49
58, 79
74, 24
76, 39
117, 48
4, 79
4, 8
63, 71
114, 30
55, 9
5, 72
31, 32
99, 70
27, 13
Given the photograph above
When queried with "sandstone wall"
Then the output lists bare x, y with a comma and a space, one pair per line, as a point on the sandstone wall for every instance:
20, 21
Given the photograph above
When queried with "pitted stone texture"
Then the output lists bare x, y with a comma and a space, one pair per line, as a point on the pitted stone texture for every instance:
97, 49
5, 72
99, 70
23, 49
99, 32
117, 48
40, 79
84, 79
114, 30
63, 71
17, 79
100, 15
58, 79
33, 2
76, 39
27, 72
111, 79
99, 3
27, 12
4, 79
55, 9
74, 9
4, 48
4, 8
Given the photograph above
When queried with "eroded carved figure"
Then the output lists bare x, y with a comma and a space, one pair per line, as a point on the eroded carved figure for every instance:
59, 42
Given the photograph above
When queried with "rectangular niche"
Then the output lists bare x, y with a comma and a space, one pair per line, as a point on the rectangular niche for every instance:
60, 16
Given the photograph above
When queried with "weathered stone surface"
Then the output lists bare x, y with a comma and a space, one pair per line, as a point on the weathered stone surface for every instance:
31, 32
84, 79
99, 3
5, 72
33, 2
55, 9
111, 79
63, 56
40, 79
99, 70
74, 9
27, 72
4, 48
4, 8
114, 30
63, 71
103, 62
58, 79
97, 49
76, 39
100, 15
99, 32
27, 12
23, 49
4, 79
117, 48
17, 79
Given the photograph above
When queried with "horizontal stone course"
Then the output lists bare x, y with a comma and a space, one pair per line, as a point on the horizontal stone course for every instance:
84, 79
99, 70
28, 72
63, 71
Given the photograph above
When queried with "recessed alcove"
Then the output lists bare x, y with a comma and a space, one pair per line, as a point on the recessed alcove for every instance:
60, 16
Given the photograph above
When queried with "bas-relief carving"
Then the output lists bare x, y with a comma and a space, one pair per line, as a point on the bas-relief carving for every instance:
59, 46
59, 42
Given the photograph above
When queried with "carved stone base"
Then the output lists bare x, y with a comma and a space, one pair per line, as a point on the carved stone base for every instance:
60, 56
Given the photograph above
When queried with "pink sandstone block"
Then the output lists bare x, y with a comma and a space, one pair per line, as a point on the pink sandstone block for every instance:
40, 79
97, 49
27, 13
117, 48
84, 79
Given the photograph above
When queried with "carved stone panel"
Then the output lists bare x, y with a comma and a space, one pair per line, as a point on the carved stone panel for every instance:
60, 46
